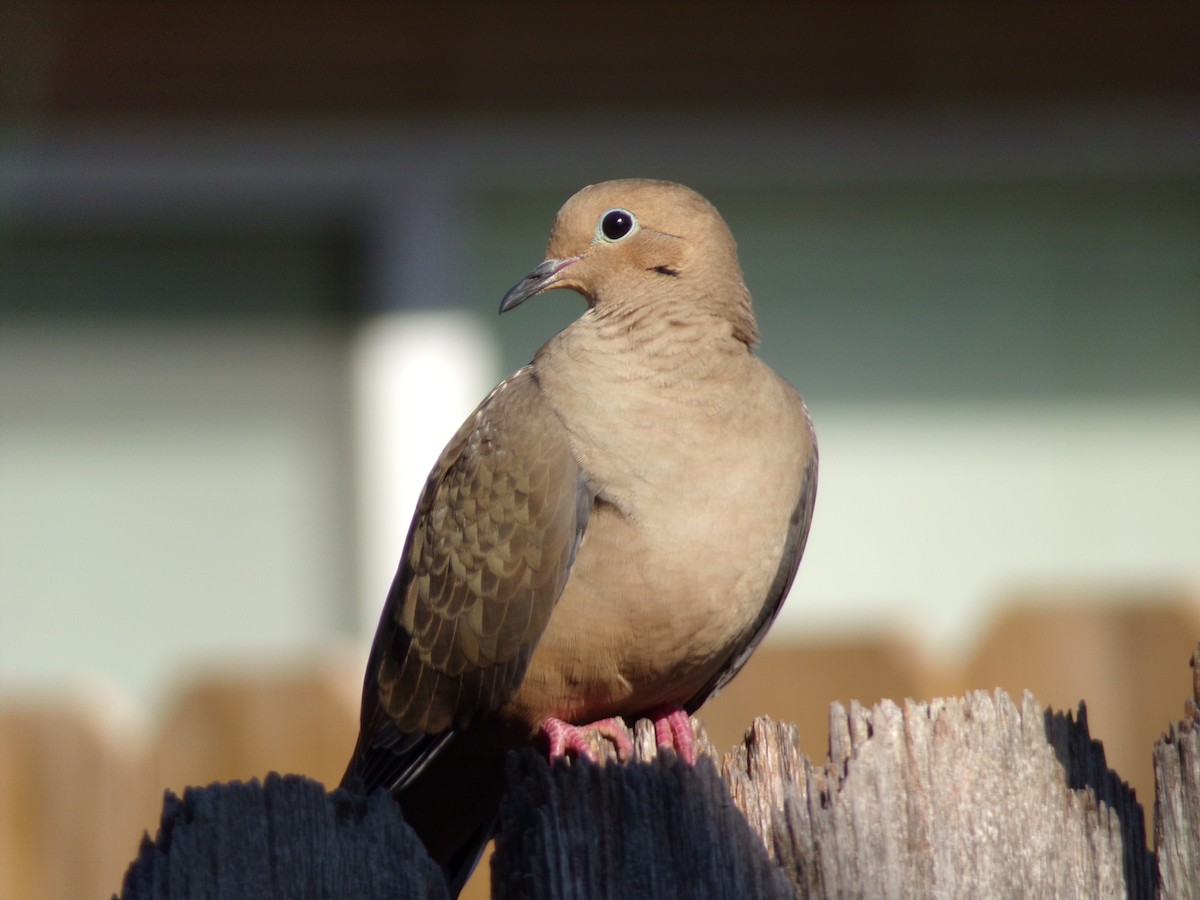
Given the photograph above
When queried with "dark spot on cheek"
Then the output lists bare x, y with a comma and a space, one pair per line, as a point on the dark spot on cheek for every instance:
666, 270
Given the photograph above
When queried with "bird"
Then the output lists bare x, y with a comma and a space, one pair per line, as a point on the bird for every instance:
608, 536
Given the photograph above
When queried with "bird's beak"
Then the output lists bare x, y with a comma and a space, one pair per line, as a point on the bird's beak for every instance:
544, 277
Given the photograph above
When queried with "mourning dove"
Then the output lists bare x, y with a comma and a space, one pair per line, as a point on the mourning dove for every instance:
609, 534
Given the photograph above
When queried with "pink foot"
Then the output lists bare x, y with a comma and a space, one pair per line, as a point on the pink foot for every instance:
566, 739
673, 730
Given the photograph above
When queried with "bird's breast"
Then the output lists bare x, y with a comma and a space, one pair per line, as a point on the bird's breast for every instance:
681, 549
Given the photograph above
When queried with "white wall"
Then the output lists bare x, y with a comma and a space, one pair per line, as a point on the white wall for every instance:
928, 513
169, 495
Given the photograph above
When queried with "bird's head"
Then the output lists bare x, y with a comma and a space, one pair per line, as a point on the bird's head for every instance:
635, 243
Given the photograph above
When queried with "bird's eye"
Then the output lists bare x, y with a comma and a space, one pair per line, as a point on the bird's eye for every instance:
616, 224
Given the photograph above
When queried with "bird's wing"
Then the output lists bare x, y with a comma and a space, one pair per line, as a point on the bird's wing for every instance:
491, 544
793, 548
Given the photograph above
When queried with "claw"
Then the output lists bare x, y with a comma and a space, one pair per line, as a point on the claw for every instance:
566, 739
673, 730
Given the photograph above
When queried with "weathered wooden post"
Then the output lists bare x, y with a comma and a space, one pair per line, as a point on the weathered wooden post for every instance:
967, 797
1177, 800
284, 838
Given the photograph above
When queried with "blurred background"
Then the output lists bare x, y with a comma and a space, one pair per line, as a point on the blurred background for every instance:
250, 258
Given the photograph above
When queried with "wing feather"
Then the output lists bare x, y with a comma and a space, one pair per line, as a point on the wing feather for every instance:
490, 547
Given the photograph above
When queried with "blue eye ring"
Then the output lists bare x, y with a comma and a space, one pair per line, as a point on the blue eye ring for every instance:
616, 224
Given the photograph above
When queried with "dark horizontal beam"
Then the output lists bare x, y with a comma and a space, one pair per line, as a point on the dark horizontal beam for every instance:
352, 57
